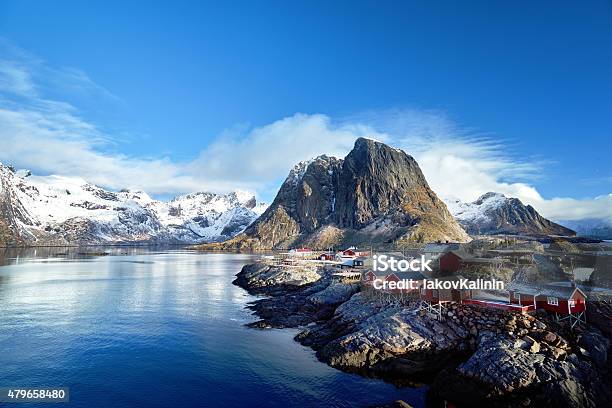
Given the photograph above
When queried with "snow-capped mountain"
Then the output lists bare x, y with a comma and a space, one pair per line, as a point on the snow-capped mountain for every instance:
57, 210
494, 213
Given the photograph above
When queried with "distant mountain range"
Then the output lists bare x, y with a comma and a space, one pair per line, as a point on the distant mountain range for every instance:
593, 228
494, 213
376, 195
54, 210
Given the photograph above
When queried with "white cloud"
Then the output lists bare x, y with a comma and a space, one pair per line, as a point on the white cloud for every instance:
14, 79
465, 167
50, 136
263, 154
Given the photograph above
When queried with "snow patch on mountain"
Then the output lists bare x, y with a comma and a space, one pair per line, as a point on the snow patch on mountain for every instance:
299, 170
478, 210
66, 210
494, 213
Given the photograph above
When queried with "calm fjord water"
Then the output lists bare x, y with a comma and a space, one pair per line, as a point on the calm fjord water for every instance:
143, 328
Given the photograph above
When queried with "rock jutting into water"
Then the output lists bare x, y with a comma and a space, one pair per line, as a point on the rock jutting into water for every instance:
472, 356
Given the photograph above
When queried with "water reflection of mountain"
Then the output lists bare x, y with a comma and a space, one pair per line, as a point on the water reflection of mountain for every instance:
12, 256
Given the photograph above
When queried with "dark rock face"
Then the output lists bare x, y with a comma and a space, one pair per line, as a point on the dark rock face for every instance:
596, 345
499, 374
298, 296
7, 232
377, 180
516, 217
304, 203
375, 193
493, 213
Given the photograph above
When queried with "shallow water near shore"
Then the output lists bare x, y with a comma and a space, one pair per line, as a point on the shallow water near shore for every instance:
157, 328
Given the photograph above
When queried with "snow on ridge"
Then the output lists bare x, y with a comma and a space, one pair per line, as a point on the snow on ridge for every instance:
372, 139
243, 196
476, 210
260, 208
299, 170
55, 204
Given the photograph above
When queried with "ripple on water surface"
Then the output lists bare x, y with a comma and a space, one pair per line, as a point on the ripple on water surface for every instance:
158, 329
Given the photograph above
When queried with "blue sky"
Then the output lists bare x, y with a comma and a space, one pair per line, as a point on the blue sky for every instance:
175, 88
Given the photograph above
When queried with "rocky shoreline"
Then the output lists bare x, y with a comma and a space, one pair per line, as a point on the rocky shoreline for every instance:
471, 357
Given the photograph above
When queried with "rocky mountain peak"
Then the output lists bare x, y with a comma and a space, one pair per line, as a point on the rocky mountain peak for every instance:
375, 179
488, 196
377, 192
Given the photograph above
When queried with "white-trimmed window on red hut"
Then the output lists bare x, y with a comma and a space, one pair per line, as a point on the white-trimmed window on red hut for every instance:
551, 300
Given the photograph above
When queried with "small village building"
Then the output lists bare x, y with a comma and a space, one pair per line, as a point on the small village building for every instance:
349, 252
564, 299
359, 262
301, 252
451, 261
326, 257
415, 277
352, 252
434, 300
353, 263
369, 276
435, 249
446, 295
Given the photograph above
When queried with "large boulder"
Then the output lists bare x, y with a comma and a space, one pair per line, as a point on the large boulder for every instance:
260, 277
503, 373
394, 341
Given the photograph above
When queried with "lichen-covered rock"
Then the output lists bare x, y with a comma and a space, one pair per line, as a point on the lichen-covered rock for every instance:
507, 375
334, 294
394, 340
